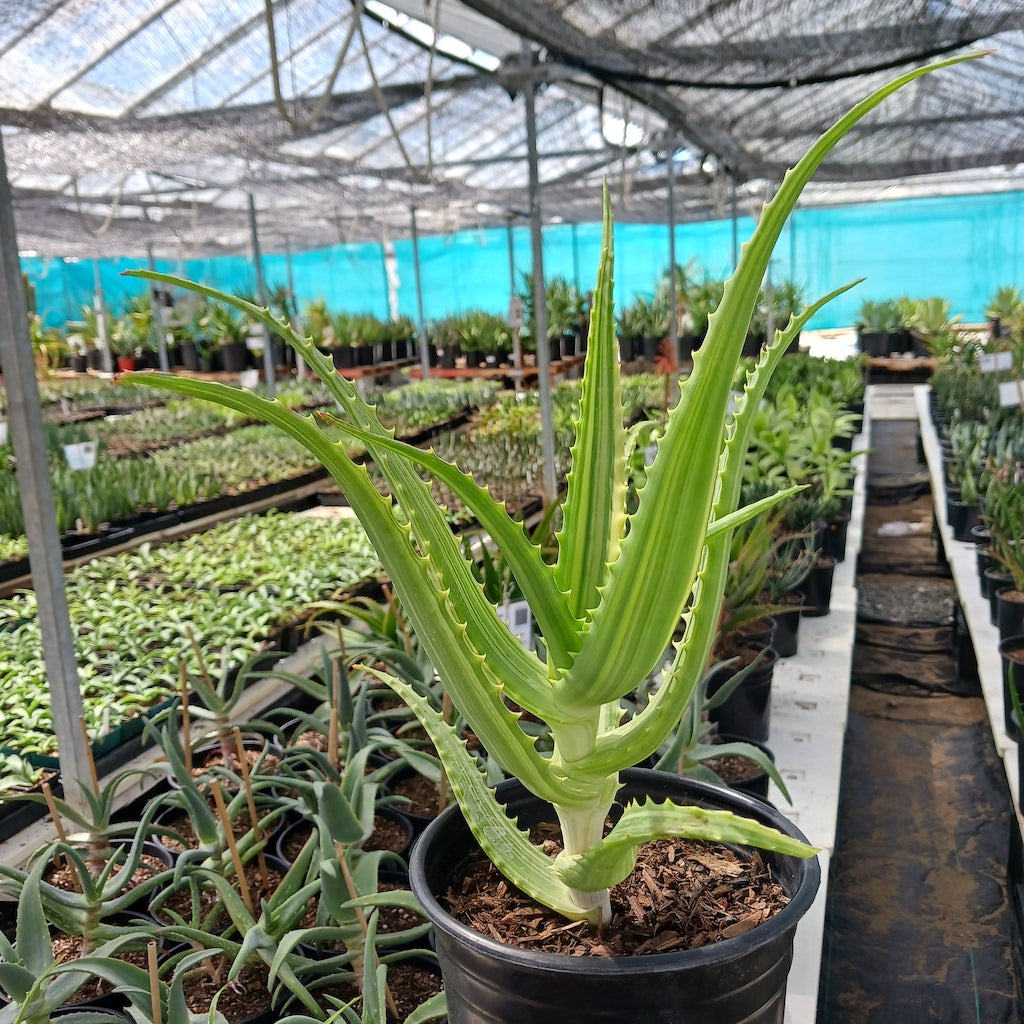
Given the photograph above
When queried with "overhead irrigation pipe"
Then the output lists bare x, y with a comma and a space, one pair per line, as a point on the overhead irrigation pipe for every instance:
540, 308
261, 297
44, 551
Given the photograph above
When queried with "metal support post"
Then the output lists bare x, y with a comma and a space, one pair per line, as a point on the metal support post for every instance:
540, 309
515, 322
735, 225
106, 359
261, 297
158, 315
26, 429
301, 370
673, 298
421, 325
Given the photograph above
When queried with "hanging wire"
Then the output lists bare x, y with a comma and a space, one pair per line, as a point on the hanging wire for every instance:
428, 86
383, 103
626, 179
302, 124
718, 188
105, 226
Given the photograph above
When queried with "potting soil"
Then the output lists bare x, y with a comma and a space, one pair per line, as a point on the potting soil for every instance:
918, 924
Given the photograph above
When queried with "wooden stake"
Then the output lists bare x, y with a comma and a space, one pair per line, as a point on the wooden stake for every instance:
203, 670
361, 919
52, 806
251, 801
88, 756
61, 835
154, 983
229, 835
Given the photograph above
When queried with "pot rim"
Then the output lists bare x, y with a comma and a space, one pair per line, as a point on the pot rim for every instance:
807, 883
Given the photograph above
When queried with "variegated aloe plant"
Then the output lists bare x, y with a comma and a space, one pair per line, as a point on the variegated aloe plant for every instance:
607, 607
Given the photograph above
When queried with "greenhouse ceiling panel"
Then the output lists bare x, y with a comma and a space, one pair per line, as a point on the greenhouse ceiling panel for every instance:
150, 122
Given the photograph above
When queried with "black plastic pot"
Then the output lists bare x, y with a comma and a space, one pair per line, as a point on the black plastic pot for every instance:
755, 785
962, 517
995, 579
16, 814
742, 979
150, 848
758, 631
232, 356
981, 534
786, 638
752, 345
1009, 612
1011, 655
818, 587
291, 838
985, 561
874, 344
189, 355
111, 1010
746, 712
836, 529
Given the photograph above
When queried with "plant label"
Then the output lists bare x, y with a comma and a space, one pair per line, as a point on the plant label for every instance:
993, 361
1011, 392
249, 379
517, 616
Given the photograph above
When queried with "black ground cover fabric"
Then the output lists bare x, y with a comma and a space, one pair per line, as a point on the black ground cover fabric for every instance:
918, 923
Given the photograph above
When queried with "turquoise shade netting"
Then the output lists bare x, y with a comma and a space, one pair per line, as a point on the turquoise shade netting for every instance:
961, 248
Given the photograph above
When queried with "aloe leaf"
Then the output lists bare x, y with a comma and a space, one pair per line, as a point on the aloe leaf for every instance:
755, 508
401, 898
35, 951
441, 558
614, 857
340, 818
643, 599
16, 981
497, 728
431, 1009
295, 880
594, 514
750, 753
374, 977
535, 577
646, 731
508, 848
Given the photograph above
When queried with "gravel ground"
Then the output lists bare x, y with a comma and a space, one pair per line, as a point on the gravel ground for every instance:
905, 599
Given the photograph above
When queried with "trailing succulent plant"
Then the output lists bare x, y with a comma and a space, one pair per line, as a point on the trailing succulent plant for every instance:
609, 604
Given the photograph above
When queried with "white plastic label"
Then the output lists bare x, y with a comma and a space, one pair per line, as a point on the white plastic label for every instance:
517, 616
1011, 392
993, 361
